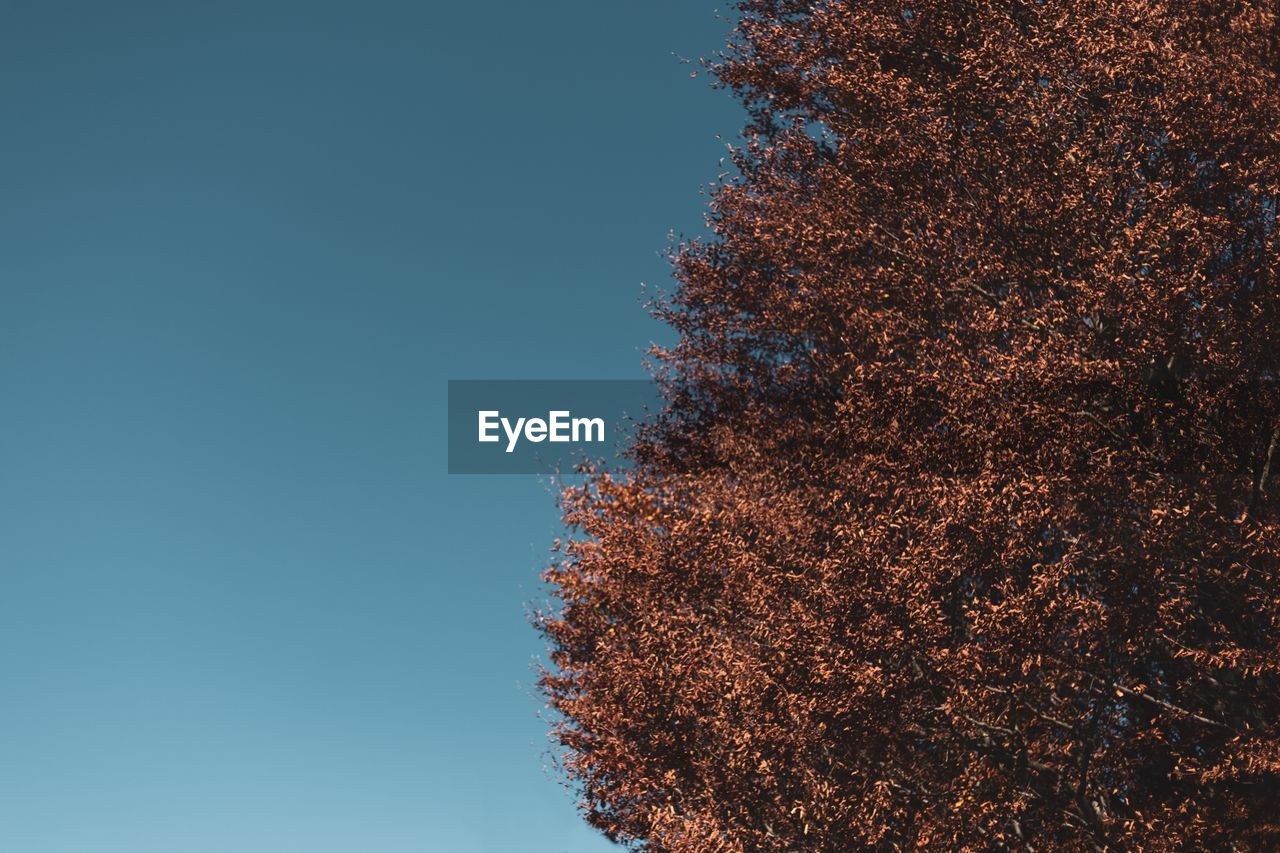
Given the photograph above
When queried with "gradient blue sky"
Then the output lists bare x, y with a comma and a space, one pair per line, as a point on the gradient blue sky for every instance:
243, 245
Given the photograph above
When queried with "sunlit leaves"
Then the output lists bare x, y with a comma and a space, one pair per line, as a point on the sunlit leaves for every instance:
960, 531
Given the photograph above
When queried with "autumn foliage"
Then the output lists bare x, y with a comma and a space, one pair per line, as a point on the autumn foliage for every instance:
961, 530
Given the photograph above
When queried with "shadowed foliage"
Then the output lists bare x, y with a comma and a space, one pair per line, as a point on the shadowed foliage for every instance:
960, 531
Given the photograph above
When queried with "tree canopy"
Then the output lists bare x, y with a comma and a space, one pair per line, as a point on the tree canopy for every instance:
960, 528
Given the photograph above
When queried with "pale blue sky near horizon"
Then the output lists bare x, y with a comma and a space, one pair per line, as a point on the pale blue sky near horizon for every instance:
243, 245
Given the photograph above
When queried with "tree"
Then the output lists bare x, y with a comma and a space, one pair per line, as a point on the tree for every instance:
960, 529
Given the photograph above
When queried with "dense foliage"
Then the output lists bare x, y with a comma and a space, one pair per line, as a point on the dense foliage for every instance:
961, 529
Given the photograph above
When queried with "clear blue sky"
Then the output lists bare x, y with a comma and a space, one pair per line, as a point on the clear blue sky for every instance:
243, 245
